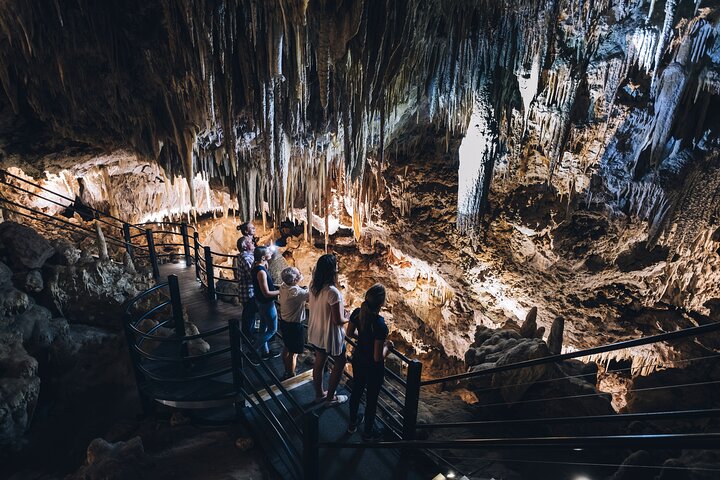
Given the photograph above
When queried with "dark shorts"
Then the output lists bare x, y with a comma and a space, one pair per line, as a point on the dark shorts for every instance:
293, 335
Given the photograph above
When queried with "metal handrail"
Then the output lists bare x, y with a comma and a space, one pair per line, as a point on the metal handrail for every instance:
17, 187
193, 378
153, 310
70, 226
684, 440
189, 358
269, 417
66, 198
274, 377
678, 334
707, 413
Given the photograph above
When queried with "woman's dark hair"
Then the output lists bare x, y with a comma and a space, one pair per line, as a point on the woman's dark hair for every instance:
325, 273
243, 227
260, 253
374, 301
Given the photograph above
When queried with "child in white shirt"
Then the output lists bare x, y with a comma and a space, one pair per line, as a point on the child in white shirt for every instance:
292, 315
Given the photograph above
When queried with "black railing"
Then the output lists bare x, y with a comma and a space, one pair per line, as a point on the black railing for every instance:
164, 370
400, 397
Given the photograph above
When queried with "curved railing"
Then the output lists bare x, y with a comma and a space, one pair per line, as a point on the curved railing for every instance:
163, 365
165, 370
152, 241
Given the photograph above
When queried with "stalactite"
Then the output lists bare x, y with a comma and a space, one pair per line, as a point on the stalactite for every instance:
260, 94
664, 38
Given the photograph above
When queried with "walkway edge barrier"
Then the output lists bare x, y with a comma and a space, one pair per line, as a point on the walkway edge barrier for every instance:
128, 241
210, 274
412, 398
177, 312
153, 254
196, 246
186, 243
311, 450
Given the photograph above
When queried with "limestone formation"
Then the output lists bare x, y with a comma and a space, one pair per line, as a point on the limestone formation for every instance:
19, 389
103, 285
114, 461
555, 339
529, 326
24, 248
487, 160
65, 252
33, 281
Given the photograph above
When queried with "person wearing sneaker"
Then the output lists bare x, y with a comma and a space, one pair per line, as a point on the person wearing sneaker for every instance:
368, 360
326, 329
265, 294
292, 315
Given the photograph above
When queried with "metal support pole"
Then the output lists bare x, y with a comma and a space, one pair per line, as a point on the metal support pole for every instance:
186, 243
210, 274
311, 451
412, 398
147, 403
177, 311
236, 353
153, 254
128, 241
196, 246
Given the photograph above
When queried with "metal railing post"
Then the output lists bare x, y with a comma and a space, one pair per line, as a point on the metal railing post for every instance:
196, 246
311, 451
147, 403
128, 241
236, 361
236, 352
152, 253
186, 243
210, 274
177, 311
412, 398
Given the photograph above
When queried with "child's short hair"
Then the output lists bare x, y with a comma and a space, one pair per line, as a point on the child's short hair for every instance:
290, 275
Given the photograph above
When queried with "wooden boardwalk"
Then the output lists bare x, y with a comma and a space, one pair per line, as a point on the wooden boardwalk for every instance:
346, 464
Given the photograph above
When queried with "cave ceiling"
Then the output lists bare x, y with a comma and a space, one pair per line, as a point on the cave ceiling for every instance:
271, 98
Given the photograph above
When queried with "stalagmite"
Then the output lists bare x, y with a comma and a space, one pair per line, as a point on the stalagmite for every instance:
555, 338
101, 244
529, 326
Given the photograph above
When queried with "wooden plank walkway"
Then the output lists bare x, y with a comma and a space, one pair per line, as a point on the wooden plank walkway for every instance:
335, 463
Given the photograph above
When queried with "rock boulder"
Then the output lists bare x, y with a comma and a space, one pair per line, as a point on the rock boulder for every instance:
25, 249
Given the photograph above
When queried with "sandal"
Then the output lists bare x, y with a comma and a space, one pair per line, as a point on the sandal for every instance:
337, 400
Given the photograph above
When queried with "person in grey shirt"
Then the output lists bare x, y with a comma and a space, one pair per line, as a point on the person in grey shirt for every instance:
292, 301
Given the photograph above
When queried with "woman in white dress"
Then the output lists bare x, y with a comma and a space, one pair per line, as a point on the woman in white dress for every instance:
326, 329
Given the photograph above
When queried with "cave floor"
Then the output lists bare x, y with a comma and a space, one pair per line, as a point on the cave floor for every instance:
335, 463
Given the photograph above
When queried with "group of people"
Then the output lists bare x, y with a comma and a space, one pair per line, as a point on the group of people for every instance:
328, 324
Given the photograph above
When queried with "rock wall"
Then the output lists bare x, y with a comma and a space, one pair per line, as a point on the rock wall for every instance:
60, 331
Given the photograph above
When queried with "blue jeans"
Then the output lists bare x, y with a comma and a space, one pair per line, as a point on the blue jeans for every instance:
248, 317
268, 324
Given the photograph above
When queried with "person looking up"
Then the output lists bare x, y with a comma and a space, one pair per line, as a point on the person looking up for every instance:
326, 329
247, 229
